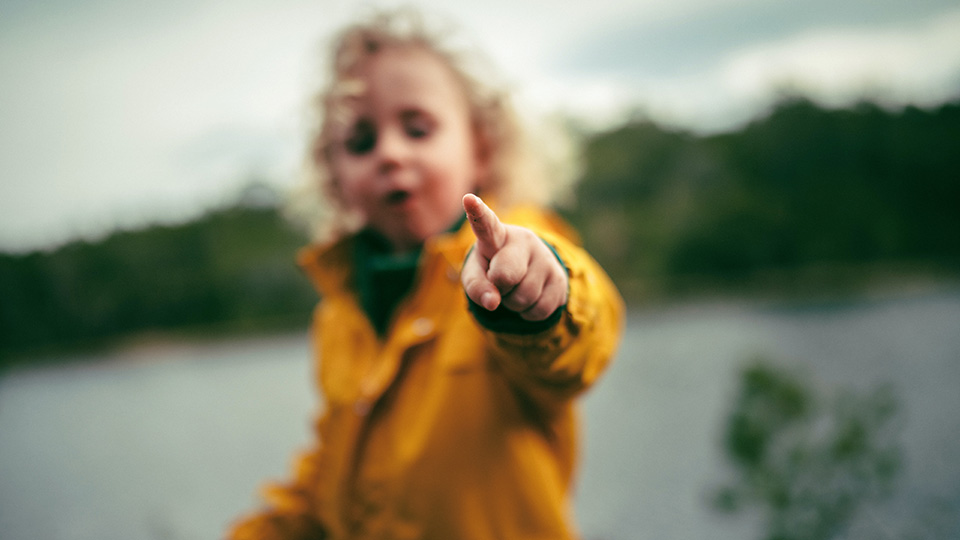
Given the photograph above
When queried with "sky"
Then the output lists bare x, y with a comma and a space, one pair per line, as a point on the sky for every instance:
122, 114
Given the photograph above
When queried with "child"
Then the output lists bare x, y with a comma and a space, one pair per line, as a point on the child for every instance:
449, 350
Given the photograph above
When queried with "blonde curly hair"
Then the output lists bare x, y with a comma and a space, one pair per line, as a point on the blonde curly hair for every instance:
516, 174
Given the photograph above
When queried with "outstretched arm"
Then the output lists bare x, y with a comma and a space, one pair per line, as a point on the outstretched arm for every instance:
556, 324
512, 266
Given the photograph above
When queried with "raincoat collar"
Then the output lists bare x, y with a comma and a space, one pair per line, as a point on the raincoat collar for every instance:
330, 266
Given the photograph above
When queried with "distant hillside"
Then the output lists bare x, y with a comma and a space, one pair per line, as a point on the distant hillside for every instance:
825, 194
805, 197
233, 269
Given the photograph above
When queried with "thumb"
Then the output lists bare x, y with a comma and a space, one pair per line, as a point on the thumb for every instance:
490, 232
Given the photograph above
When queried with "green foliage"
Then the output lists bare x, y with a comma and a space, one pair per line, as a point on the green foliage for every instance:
802, 188
234, 267
809, 462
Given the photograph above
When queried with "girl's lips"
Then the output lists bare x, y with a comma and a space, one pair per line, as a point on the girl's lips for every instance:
397, 197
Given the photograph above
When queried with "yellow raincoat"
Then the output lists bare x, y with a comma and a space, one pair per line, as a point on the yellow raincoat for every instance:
442, 429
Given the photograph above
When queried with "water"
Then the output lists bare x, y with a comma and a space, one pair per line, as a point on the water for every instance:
172, 442
653, 444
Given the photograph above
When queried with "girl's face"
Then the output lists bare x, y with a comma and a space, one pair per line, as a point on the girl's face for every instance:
407, 154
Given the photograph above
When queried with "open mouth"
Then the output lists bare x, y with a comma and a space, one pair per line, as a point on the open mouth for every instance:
397, 197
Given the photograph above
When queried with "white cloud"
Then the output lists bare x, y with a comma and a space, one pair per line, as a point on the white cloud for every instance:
118, 117
918, 65
99, 125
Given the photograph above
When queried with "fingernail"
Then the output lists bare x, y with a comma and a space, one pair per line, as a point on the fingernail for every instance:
489, 301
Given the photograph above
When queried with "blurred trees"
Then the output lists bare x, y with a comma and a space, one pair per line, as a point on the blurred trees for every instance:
804, 196
802, 189
232, 269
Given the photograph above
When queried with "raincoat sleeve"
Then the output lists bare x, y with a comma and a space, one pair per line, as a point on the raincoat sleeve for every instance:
558, 362
289, 512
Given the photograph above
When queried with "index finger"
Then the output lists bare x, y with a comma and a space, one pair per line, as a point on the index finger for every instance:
490, 232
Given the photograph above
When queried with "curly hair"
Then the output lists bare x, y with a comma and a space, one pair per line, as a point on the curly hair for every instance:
516, 173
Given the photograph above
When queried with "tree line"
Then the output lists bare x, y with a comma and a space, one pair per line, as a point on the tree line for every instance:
805, 196
230, 270
802, 197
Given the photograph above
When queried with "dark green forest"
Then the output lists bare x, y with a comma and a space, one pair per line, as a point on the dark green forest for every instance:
805, 199
232, 270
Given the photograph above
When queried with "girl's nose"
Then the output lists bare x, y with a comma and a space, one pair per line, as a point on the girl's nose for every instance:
392, 149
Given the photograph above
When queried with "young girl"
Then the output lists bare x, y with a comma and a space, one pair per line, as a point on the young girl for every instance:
450, 349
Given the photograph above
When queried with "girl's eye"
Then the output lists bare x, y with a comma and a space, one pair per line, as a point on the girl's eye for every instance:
418, 125
361, 139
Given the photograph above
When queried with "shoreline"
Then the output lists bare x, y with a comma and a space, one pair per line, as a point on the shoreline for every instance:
139, 344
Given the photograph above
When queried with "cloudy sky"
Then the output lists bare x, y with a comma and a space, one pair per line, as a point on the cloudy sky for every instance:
115, 113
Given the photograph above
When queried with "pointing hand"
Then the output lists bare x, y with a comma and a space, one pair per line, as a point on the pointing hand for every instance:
510, 265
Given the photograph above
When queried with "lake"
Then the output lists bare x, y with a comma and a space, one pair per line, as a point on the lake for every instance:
170, 441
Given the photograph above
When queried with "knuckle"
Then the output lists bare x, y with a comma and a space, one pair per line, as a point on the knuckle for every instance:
473, 285
518, 301
537, 312
556, 292
521, 232
505, 275
551, 299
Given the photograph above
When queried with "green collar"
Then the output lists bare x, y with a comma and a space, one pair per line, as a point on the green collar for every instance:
384, 278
